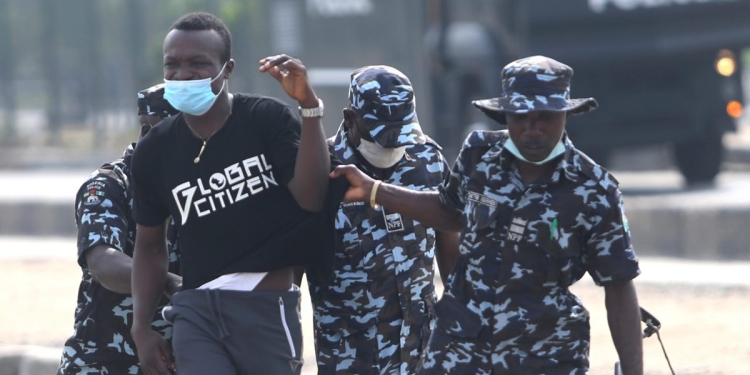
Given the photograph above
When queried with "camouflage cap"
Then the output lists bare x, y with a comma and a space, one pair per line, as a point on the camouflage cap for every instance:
535, 83
151, 102
383, 96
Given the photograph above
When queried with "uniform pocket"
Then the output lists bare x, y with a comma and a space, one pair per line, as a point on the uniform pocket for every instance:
349, 256
348, 236
456, 319
561, 244
424, 318
447, 354
480, 212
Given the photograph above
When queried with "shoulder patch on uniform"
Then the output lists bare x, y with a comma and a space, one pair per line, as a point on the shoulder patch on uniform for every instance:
102, 182
94, 190
483, 138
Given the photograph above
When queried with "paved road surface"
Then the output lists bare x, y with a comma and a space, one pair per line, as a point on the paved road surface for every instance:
702, 304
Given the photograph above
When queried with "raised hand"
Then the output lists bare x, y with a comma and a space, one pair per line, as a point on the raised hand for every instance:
292, 75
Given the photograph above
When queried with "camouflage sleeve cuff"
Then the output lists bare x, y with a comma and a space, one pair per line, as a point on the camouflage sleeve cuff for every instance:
620, 266
83, 246
101, 216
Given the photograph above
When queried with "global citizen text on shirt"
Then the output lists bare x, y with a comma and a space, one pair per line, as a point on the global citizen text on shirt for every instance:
224, 188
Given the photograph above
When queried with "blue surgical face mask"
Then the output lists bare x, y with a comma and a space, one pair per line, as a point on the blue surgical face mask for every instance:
193, 97
557, 151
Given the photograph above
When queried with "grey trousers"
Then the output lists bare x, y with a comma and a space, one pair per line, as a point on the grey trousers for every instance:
232, 332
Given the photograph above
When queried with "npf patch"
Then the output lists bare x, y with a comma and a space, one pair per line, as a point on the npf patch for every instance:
393, 221
517, 229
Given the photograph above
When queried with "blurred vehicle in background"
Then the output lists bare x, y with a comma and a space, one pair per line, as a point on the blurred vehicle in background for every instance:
664, 71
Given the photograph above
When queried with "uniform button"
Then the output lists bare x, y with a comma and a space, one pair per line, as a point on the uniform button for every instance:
394, 237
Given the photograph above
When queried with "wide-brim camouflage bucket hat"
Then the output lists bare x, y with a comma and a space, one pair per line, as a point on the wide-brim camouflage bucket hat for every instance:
151, 102
384, 98
535, 83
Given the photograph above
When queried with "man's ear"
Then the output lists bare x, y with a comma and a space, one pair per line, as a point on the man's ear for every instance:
229, 69
350, 122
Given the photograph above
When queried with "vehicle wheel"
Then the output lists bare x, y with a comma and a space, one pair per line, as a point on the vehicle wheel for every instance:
699, 160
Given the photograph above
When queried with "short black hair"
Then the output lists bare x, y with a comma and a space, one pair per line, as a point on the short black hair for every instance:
206, 21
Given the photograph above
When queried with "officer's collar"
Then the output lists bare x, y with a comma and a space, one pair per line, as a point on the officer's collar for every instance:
566, 166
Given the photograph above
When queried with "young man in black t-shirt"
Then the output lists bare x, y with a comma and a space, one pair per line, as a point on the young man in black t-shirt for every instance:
241, 176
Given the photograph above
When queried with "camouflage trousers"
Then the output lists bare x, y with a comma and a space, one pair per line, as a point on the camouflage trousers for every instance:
386, 347
78, 359
464, 343
372, 351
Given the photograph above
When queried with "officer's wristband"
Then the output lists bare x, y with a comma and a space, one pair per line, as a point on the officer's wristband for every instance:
373, 193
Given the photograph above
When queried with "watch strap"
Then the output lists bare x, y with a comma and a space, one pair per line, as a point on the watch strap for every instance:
312, 112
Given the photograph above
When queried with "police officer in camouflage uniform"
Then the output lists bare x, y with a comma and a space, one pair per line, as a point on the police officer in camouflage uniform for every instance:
102, 343
373, 316
535, 214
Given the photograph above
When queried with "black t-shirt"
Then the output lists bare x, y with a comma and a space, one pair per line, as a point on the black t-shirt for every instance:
233, 207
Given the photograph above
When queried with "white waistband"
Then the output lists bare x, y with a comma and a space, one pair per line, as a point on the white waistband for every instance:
242, 281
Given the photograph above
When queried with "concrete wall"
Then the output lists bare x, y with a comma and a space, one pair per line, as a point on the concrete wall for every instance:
716, 233
29, 360
669, 225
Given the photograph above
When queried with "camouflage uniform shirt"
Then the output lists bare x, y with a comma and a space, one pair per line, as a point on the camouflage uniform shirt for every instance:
373, 317
507, 308
101, 342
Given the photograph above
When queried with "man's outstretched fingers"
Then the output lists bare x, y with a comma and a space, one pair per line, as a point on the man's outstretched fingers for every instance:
272, 61
272, 67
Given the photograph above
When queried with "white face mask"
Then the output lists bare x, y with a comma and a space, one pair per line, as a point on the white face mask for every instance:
557, 151
378, 156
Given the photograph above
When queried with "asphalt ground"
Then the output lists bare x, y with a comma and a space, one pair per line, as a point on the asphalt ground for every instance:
702, 305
